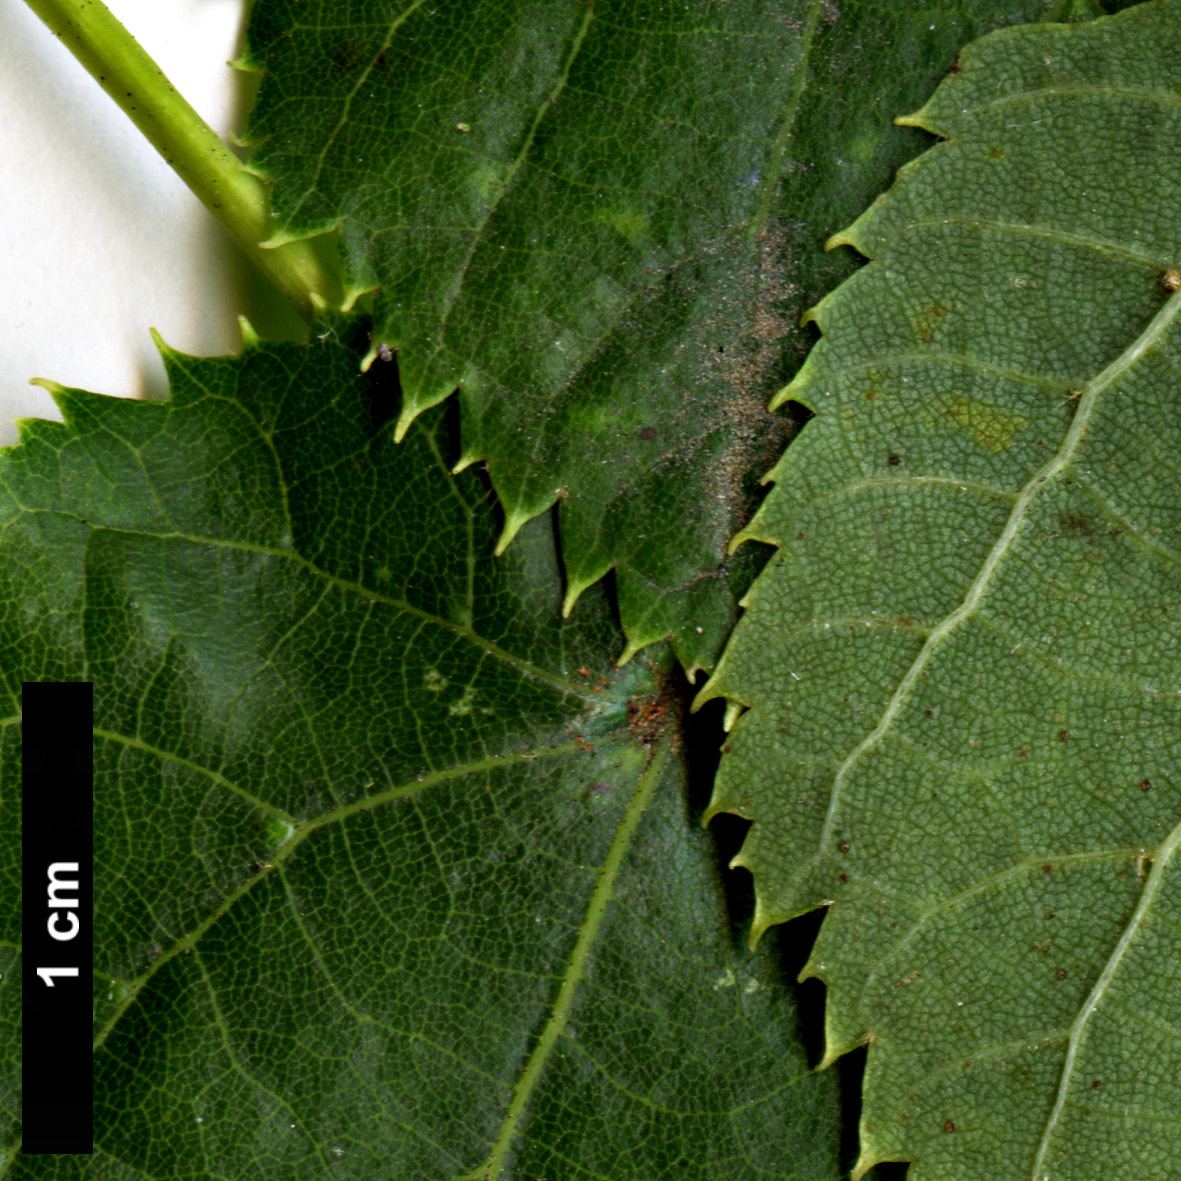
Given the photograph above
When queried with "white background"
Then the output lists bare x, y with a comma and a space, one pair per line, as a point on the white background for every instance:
99, 239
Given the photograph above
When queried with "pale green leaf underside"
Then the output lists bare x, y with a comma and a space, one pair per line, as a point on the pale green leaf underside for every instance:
385, 884
963, 666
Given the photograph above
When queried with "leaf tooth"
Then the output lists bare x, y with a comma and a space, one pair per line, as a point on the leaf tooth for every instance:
868, 1158
56, 390
796, 389
857, 234
514, 519
716, 687
918, 119
162, 347
763, 919
246, 63
752, 532
734, 710
577, 583
633, 646
250, 338
405, 420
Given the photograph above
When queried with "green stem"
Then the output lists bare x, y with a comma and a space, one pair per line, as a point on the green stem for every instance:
236, 197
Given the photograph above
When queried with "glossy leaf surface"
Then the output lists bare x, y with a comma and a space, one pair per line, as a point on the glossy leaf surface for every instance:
962, 666
393, 871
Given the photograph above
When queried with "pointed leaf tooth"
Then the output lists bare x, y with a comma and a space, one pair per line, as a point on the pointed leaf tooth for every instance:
250, 338
513, 521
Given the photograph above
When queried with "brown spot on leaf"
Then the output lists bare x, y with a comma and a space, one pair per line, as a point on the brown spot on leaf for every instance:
649, 715
1073, 525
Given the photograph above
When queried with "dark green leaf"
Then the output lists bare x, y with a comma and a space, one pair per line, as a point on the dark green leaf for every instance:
602, 223
394, 877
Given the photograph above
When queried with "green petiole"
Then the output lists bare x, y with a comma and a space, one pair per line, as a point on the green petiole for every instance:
235, 196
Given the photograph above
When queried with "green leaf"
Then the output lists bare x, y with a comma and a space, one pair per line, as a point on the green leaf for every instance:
600, 222
393, 871
962, 667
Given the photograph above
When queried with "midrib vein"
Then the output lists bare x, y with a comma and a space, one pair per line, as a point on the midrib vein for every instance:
1054, 467
1148, 896
592, 921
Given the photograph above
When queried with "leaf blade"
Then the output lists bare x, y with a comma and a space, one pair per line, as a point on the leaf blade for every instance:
953, 700
384, 878
610, 267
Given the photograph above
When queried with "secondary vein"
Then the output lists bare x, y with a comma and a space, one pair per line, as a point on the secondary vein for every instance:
1053, 468
1147, 897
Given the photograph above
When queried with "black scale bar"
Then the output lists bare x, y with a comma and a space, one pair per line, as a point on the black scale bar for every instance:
57, 855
